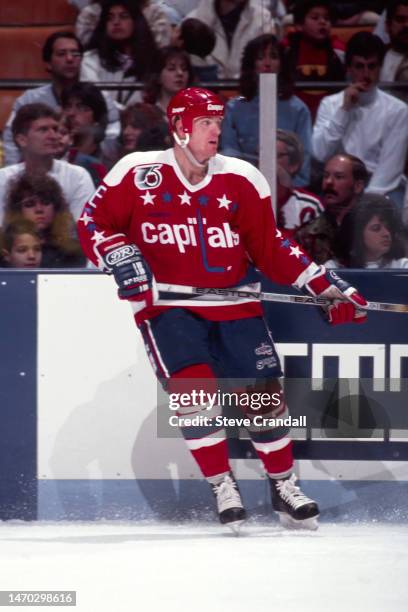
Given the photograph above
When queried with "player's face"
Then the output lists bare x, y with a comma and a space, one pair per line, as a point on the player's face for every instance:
130, 136
119, 25
268, 60
338, 186
365, 71
78, 115
65, 59
205, 137
398, 29
174, 75
41, 137
376, 238
317, 24
25, 252
40, 212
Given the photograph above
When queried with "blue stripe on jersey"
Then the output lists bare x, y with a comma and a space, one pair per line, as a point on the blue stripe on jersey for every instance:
203, 249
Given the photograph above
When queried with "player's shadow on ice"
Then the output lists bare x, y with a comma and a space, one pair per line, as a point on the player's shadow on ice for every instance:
117, 464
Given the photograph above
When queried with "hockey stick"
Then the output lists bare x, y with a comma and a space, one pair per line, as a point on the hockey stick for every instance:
271, 297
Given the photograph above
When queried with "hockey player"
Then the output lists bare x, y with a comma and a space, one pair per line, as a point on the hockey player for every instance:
188, 216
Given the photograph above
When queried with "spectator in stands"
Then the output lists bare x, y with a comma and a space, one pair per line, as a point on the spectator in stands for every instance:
62, 54
174, 72
240, 128
344, 180
152, 10
296, 207
20, 245
35, 132
235, 23
198, 40
365, 121
278, 12
39, 199
381, 28
354, 12
86, 112
395, 66
137, 120
123, 49
71, 154
377, 236
311, 51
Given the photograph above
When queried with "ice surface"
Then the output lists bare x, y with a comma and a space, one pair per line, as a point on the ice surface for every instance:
117, 567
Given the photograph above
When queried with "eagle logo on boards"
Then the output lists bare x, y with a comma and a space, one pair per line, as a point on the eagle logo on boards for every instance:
148, 177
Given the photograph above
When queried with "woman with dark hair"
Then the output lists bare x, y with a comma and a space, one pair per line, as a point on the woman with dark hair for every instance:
377, 236
122, 49
174, 72
39, 199
240, 129
142, 129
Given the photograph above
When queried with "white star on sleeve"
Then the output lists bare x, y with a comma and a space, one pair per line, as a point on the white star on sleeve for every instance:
147, 198
295, 251
278, 234
224, 202
86, 219
185, 198
98, 237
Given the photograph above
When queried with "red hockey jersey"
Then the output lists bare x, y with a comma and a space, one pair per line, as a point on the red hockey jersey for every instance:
201, 235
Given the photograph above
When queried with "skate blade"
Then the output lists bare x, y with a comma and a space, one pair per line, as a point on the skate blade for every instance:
235, 527
311, 524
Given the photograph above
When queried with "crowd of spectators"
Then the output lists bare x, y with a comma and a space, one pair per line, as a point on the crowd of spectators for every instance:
341, 148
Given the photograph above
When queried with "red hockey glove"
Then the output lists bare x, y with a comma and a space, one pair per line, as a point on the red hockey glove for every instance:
347, 305
130, 270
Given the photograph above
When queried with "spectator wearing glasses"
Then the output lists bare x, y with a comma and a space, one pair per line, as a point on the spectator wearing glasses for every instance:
364, 121
296, 207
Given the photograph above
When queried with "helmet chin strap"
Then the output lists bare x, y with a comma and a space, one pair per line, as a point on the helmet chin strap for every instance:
183, 144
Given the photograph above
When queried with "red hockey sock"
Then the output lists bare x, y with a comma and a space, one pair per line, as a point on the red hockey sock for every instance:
208, 447
276, 456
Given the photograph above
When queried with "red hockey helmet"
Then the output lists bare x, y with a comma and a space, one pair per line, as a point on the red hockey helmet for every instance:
193, 102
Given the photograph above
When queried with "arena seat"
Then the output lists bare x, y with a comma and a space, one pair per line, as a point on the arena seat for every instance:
37, 12
20, 51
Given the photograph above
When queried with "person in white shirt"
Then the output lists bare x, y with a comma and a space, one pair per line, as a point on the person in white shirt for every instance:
235, 23
365, 121
395, 66
35, 132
